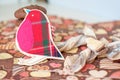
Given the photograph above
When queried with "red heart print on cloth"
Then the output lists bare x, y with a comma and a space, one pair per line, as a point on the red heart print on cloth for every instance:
55, 65
88, 66
115, 75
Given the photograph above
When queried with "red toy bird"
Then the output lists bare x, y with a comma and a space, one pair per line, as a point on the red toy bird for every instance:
34, 36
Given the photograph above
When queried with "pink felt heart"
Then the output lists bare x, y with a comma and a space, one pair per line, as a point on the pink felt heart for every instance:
88, 66
55, 65
67, 21
83, 47
108, 29
115, 75
27, 57
24, 74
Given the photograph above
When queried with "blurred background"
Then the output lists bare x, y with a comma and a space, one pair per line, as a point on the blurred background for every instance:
91, 11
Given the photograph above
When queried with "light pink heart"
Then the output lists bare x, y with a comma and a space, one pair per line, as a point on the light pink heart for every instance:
55, 65
24, 74
115, 75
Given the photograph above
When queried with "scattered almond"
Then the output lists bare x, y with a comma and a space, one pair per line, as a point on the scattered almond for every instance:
105, 41
103, 53
94, 44
72, 51
44, 61
57, 38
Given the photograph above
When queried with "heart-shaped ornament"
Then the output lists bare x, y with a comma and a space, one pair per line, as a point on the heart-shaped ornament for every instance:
34, 36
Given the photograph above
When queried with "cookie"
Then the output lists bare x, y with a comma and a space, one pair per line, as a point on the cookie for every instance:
20, 13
